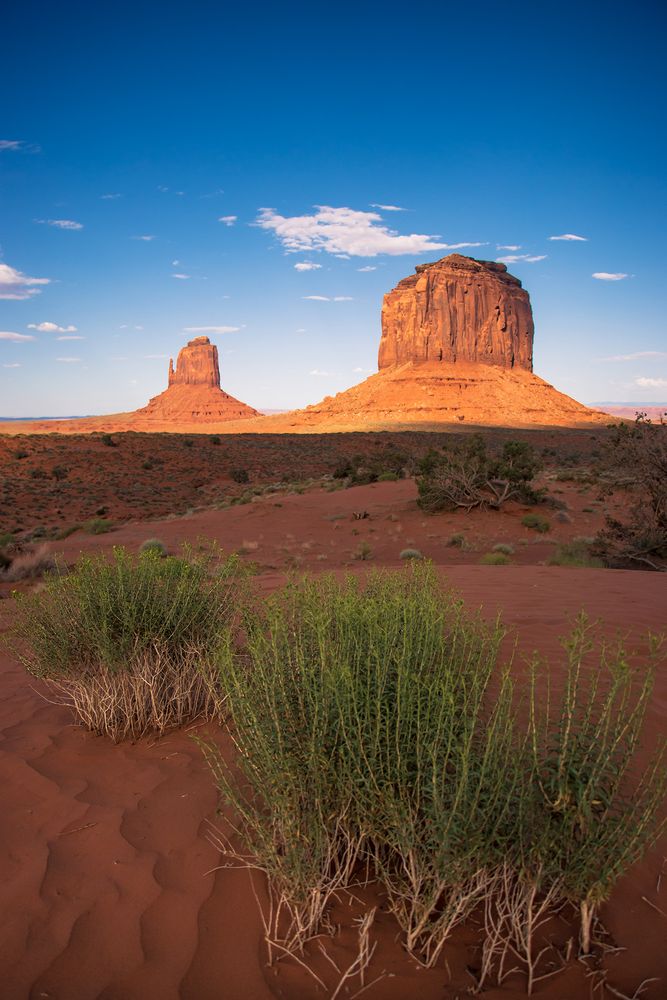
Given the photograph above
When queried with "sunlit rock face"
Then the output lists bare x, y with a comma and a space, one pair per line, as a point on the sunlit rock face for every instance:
458, 309
193, 395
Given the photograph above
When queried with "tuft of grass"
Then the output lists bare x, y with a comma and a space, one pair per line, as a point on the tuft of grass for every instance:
377, 737
536, 523
495, 559
504, 547
130, 643
98, 525
154, 545
363, 552
458, 541
410, 554
27, 565
575, 553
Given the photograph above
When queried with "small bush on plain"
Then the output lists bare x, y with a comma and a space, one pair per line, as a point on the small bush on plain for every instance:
130, 642
536, 523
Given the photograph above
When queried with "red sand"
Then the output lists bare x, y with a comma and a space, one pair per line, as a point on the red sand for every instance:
107, 881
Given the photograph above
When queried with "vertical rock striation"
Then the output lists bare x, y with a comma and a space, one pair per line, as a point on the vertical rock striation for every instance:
197, 364
458, 309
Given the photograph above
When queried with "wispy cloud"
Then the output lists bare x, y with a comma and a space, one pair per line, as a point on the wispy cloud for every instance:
362, 371
18, 145
146, 239
228, 220
212, 329
51, 328
307, 265
369, 267
68, 361
317, 372
609, 276
71, 337
346, 231
14, 364
637, 356
388, 208
526, 258
182, 277
570, 237
508, 246
327, 298
111, 197
18, 337
60, 223
651, 383
16, 285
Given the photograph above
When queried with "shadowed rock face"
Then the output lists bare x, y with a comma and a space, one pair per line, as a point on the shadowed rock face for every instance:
458, 309
197, 364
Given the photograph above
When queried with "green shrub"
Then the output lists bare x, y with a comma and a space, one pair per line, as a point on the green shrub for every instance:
410, 554
59, 472
458, 541
98, 525
575, 553
374, 729
536, 523
108, 441
387, 477
466, 476
239, 475
130, 643
495, 559
504, 547
154, 545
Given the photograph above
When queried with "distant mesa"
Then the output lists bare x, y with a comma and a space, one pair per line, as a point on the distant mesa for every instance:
193, 394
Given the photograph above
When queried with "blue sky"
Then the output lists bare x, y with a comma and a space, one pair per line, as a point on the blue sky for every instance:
163, 170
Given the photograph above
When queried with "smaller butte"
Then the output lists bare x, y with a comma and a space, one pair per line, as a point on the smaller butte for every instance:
193, 394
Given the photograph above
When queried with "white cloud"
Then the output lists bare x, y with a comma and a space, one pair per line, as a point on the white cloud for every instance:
68, 361
70, 337
509, 246
388, 208
301, 329
608, 276
317, 372
571, 238
18, 145
181, 277
111, 197
18, 337
212, 329
637, 356
51, 328
519, 257
362, 371
369, 267
12, 144
146, 239
15, 285
307, 265
326, 298
651, 383
175, 263
60, 223
228, 220
14, 364
346, 231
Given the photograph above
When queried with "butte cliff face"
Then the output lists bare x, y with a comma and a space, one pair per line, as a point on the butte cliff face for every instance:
458, 309
193, 395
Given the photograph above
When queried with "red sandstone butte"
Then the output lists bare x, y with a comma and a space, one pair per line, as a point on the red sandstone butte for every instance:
458, 309
193, 394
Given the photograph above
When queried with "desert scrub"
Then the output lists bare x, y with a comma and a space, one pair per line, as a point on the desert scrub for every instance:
377, 737
575, 553
98, 525
344, 701
495, 559
410, 554
536, 523
504, 547
130, 642
154, 545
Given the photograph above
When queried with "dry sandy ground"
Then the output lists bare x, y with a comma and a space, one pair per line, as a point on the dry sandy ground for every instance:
109, 887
